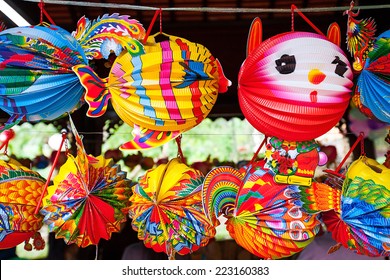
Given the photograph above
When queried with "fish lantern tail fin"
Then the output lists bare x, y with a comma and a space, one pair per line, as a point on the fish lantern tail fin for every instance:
223, 82
97, 94
145, 138
219, 192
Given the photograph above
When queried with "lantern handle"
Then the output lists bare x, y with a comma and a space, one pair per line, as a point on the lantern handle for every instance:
359, 139
41, 6
8, 134
180, 154
156, 14
258, 149
293, 9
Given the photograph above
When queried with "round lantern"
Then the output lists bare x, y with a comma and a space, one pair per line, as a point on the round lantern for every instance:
162, 93
295, 86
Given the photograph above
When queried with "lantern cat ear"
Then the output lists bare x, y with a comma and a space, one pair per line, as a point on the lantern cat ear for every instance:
255, 35
334, 34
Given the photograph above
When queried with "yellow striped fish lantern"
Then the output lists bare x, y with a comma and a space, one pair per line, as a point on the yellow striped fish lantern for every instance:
167, 90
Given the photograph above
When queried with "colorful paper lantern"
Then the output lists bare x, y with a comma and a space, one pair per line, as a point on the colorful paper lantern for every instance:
295, 86
166, 209
372, 89
162, 93
263, 217
36, 78
20, 189
371, 61
365, 206
358, 215
88, 199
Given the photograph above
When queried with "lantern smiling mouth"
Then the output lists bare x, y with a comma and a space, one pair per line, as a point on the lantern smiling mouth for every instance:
313, 96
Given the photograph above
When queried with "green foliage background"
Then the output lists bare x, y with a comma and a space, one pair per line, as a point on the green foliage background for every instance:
221, 139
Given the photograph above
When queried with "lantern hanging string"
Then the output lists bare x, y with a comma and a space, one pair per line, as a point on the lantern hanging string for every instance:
64, 134
359, 139
41, 6
298, 11
207, 9
158, 12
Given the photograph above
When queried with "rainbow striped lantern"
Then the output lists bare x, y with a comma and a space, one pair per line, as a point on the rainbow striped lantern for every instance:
295, 86
162, 93
264, 217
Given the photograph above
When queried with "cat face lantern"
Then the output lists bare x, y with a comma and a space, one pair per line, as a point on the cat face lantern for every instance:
295, 86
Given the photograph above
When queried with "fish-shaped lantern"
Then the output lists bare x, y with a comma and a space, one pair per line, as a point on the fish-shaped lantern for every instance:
162, 93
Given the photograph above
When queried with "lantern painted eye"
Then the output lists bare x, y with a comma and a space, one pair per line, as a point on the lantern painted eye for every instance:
341, 66
285, 64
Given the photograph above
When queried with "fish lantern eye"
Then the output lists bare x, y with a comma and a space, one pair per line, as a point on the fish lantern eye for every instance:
285, 64
341, 66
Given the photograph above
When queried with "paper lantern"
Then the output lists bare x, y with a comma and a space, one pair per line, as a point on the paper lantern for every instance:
357, 215
162, 93
372, 92
36, 77
88, 199
365, 206
166, 209
295, 86
263, 217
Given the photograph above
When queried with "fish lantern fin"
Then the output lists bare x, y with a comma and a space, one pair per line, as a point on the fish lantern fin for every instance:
334, 33
96, 91
255, 35
145, 138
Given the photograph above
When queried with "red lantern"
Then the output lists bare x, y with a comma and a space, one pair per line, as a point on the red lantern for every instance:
295, 86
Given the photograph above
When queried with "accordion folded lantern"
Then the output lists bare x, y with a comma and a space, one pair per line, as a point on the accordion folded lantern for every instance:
359, 218
263, 216
166, 209
88, 199
162, 93
36, 78
295, 86
20, 190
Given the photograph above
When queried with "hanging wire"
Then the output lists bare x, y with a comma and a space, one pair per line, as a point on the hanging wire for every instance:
294, 10
64, 134
41, 6
158, 12
207, 9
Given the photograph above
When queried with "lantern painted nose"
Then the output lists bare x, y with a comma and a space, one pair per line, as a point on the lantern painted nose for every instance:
316, 76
